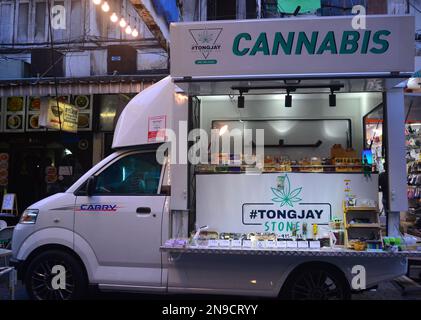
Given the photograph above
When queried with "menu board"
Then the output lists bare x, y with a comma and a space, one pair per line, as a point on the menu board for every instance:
84, 104
58, 115
14, 114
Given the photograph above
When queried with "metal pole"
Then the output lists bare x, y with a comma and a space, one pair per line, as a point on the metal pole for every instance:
395, 157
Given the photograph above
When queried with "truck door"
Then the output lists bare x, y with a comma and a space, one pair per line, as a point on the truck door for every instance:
121, 221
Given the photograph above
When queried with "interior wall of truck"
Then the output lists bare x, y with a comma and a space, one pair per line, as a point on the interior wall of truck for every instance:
309, 119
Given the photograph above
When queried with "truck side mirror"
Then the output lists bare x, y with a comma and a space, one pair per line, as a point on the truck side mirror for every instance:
90, 186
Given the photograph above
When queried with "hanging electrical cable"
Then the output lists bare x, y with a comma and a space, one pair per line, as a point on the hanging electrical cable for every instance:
414, 6
50, 31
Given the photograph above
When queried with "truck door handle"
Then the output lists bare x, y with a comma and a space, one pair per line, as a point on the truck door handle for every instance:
143, 210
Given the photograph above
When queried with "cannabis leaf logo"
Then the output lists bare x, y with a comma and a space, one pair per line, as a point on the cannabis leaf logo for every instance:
205, 37
285, 196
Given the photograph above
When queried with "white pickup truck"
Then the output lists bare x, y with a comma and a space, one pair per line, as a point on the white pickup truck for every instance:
110, 227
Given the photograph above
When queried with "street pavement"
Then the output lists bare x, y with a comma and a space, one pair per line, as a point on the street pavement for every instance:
385, 291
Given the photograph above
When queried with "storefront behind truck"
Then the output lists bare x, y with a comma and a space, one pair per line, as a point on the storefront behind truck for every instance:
270, 225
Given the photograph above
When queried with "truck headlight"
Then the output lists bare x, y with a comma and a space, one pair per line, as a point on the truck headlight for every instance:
29, 216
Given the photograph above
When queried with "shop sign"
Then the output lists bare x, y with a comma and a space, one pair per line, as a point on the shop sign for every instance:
287, 212
9, 204
59, 115
8, 201
292, 46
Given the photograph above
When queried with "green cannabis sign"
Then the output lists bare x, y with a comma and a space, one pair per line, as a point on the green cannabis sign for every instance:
291, 43
290, 5
283, 193
313, 45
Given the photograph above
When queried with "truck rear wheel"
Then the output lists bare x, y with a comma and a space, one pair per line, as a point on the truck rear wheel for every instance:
316, 282
55, 275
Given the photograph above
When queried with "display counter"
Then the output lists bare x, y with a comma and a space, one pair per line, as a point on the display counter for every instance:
322, 252
280, 172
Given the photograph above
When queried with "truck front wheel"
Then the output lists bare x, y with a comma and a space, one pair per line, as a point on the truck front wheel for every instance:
316, 282
55, 275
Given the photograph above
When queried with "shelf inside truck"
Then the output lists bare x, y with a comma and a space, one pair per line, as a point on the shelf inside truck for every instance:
364, 225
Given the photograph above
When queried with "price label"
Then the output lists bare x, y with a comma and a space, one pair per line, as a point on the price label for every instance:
236, 243
292, 244
260, 244
302, 244
314, 244
281, 244
246, 243
224, 243
212, 243
270, 244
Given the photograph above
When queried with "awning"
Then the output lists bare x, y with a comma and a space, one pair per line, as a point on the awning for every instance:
78, 86
305, 83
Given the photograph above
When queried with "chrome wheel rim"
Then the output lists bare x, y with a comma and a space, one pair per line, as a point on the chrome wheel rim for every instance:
42, 281
316, 285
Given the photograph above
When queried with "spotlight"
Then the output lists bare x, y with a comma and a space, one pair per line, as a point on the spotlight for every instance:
135, 33
223, 130
105, 7
128, 30
288, 100
240, 102
97, 2
114, 17
123, 23
332, 99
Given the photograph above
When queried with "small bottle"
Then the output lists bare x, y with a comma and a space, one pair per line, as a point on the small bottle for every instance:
315, 230
305, 230
294, 230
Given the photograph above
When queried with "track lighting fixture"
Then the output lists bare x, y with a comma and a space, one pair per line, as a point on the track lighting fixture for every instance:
240, 102
332, 99
288, 100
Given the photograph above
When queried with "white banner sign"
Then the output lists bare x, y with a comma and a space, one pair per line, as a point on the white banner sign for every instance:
292, 46
278, 203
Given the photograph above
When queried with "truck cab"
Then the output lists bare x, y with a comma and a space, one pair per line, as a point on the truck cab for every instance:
121, 198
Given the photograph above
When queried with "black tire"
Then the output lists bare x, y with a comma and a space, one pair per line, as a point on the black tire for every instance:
39, 277
316, 282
